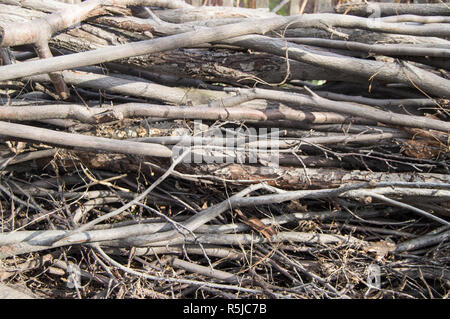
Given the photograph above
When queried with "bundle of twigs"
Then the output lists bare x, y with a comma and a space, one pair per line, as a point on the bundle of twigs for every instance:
163, 150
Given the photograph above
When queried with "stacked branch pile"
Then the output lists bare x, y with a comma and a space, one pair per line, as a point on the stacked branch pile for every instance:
179, 151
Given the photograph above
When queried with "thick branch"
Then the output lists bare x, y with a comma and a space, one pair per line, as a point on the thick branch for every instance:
384, 49
371, 70
91, 143
208, 35
139, 48
41, 30
96, 115
301, 178
353, 109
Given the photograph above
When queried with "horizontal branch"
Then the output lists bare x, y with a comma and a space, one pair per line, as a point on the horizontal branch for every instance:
416, 18
238, 201
92, 115
19, 242
351, 109
423, 241
201, 112
393, 9
137, 87
387, 103
324, 20
92, 143
384, 49
302, 178
247, 239
204, 35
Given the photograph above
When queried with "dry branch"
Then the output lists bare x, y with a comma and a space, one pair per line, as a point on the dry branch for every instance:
305, 178
137, 87
370, 70
358, 175
384, 49
356, 110
393, 9
139, 48
91, 143
201, 112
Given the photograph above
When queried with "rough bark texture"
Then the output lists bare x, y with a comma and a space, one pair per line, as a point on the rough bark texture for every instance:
392, 9
203, 146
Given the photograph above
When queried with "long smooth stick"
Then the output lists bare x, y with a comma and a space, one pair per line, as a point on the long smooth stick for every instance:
108, 54
82, 141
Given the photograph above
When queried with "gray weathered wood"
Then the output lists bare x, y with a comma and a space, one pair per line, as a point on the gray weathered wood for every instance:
92, 143
140, 48
392, 9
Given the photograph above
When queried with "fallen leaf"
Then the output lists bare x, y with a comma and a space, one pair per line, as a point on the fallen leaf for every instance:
421, 149
380, 248
254, 223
